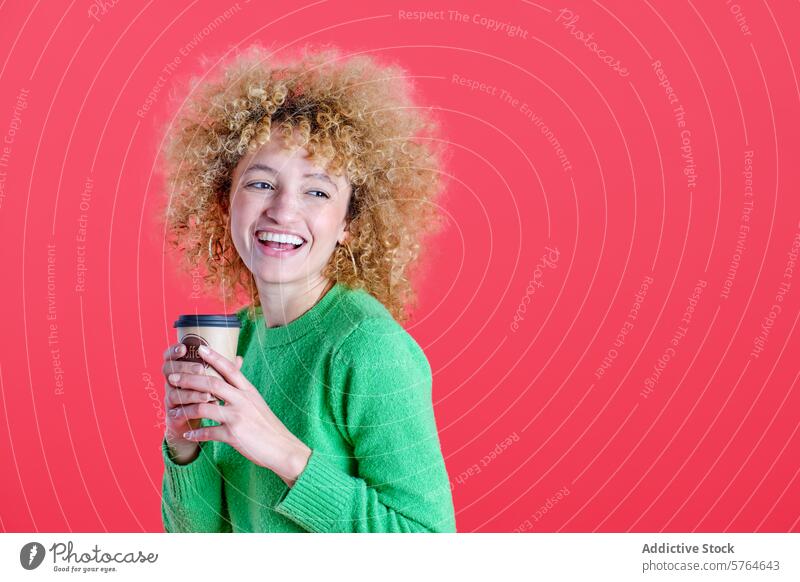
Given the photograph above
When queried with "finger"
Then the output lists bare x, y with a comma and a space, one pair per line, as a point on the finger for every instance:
175, 351
208, 433
239, 362
178, 397
207, 410
178, 367
209, 384
225, 367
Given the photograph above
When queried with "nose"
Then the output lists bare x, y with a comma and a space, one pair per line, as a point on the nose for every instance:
282, 207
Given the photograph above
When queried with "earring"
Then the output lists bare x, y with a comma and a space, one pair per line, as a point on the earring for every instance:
355, 268
218, 247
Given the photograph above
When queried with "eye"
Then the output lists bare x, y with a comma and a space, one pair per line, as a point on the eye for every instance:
315, 192
259, 185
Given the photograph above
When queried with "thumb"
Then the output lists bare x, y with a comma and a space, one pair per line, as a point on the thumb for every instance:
239, 362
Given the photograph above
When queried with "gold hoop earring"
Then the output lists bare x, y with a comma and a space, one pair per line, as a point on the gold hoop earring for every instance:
355, 268
220, 250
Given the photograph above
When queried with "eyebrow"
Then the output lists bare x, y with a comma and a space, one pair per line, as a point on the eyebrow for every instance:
272, 170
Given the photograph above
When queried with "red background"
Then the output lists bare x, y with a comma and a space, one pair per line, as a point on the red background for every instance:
713, 446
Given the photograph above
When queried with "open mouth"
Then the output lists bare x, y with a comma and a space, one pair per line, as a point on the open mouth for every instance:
279, 242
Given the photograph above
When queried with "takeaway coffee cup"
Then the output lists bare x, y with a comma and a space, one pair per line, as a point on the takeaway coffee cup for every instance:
219, 332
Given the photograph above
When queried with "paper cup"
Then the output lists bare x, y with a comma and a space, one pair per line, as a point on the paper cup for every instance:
219, 332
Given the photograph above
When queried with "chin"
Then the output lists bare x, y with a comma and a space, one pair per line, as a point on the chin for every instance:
276, 276
272, 276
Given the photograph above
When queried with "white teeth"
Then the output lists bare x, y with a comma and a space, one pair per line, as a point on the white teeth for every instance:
264, 235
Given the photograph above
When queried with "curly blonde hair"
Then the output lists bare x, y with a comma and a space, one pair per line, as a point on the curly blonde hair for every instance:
353, 112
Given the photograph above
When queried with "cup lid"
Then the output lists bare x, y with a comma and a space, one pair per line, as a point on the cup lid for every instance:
214, 320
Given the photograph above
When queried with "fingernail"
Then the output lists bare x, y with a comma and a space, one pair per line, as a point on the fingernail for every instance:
179, 348
203, 350
188, 435
174, 377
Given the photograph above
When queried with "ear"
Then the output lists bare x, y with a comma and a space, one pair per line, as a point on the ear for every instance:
224, 205
345, 236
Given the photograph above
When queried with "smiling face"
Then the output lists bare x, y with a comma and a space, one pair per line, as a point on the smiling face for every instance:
280, 198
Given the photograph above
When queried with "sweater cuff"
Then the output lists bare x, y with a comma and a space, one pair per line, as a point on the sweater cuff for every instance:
187, 481
319, 497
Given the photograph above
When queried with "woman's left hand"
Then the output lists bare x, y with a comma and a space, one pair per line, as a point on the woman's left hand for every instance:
246, 422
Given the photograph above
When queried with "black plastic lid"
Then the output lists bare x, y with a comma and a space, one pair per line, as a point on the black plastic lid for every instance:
207, 321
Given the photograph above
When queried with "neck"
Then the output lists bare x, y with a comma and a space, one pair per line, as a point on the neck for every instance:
282, 303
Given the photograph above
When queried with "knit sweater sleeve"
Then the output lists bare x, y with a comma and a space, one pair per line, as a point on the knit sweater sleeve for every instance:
381, 388
191, 494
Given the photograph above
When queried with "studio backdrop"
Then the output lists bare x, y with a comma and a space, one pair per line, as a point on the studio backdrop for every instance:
609, 311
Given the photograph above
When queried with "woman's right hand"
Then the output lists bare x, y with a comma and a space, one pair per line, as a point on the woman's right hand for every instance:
183, 451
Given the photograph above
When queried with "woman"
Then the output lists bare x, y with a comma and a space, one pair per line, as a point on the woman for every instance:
307, 186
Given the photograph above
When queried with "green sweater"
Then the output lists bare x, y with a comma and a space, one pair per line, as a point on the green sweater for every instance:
354, 386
